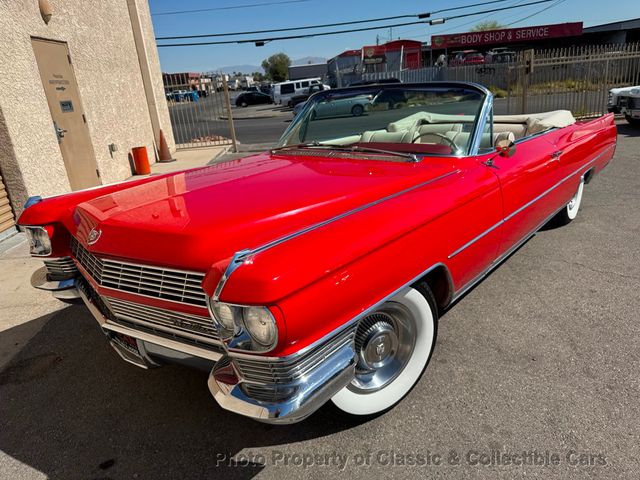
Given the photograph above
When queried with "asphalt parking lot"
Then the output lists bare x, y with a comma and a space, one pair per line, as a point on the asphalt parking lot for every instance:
539, 363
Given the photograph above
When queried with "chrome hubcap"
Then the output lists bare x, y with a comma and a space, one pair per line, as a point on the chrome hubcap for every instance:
384, 343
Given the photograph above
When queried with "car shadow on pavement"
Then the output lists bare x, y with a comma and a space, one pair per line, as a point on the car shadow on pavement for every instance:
628, 130
71, 408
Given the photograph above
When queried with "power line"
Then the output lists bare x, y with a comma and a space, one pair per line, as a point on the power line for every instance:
234, 7
325, 25
262, 41
536, 13
289, 29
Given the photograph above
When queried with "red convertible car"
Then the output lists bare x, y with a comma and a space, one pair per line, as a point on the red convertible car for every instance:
316, 271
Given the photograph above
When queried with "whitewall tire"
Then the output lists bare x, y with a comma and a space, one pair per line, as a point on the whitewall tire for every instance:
570, 211
393, 346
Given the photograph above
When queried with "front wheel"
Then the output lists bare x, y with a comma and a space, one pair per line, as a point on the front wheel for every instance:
393, 346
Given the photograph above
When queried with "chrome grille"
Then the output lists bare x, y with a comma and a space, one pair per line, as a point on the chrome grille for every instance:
288, 369
181, 325
157, 282
60, 267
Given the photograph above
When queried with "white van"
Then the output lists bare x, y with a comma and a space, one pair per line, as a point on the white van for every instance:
282, 92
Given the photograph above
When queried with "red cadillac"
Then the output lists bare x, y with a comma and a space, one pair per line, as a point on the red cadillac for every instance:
316, 271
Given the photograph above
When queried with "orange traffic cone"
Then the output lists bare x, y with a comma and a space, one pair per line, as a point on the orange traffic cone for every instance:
165, 154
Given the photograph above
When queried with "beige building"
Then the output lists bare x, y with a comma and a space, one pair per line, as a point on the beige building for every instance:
80, 86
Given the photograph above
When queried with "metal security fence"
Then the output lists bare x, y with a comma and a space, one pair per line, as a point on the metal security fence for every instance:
575, 78
198, 110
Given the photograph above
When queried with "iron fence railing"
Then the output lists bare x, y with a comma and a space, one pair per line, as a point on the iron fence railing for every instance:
572, 78
197, 111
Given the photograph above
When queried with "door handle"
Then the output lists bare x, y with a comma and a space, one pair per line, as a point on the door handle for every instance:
556, 155
59, 131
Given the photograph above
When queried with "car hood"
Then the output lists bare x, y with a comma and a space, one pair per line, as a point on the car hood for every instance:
626, 90
197, 218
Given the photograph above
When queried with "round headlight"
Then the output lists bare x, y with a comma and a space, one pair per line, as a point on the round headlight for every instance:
224, 315
261, 325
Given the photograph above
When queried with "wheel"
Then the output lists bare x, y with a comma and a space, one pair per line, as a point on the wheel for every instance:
632, 121
394, 345
570, 211
244, 104
357, 110
290, 104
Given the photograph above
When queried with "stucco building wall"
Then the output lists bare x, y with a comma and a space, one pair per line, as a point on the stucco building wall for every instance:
107, 69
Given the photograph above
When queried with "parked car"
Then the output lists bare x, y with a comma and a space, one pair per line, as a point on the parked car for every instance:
183, 96
626, 101
339, 105
466, 57
252, 98
323, 276
500, 55
296, 99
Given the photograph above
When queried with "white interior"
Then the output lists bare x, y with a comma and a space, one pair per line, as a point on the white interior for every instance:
424, 127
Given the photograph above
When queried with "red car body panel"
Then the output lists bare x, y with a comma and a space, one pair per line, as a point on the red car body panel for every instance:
387, 223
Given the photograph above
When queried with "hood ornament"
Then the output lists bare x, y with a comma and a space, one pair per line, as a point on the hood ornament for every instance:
94, 236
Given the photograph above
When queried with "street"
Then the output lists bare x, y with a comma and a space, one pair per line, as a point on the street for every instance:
541, 360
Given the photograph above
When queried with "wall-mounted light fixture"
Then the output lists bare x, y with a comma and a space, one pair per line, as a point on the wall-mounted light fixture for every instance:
45, 10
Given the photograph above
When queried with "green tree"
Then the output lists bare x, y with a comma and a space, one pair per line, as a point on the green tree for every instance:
258, 76
276, 67
487, 25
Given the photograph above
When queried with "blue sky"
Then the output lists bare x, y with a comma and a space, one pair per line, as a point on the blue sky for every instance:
308, 12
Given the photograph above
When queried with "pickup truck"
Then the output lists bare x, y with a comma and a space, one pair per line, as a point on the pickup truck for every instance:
627, 102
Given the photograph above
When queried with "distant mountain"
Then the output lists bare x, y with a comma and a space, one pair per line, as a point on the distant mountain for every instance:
307, 60
248, 69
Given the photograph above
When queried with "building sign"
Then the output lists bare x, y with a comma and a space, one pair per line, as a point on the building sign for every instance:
374, 59
507, 35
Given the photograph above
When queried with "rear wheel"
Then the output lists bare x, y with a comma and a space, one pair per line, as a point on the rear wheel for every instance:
394, 345
570, 211
357, 110
244, 104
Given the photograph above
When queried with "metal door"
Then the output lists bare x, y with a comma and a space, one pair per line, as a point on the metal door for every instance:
7, 219
69, 123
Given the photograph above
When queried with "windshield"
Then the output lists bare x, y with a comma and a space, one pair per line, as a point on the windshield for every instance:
435, 120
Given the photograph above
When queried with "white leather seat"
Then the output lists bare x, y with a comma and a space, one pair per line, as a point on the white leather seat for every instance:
403, 136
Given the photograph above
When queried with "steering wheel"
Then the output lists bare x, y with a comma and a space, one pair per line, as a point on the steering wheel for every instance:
451, 143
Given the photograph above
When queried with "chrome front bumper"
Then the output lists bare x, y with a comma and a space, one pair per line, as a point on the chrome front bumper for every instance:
287, 399
282, 403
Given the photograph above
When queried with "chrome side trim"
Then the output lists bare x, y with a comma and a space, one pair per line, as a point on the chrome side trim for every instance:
456, 296
239, 258
528, 204
236, 261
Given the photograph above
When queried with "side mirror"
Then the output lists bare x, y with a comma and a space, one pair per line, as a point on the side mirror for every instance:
506, 148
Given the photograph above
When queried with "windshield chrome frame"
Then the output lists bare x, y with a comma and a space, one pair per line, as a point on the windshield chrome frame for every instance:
481, 119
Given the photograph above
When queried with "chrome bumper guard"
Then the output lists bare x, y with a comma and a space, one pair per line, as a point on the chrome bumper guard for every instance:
64, 290
280, 402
